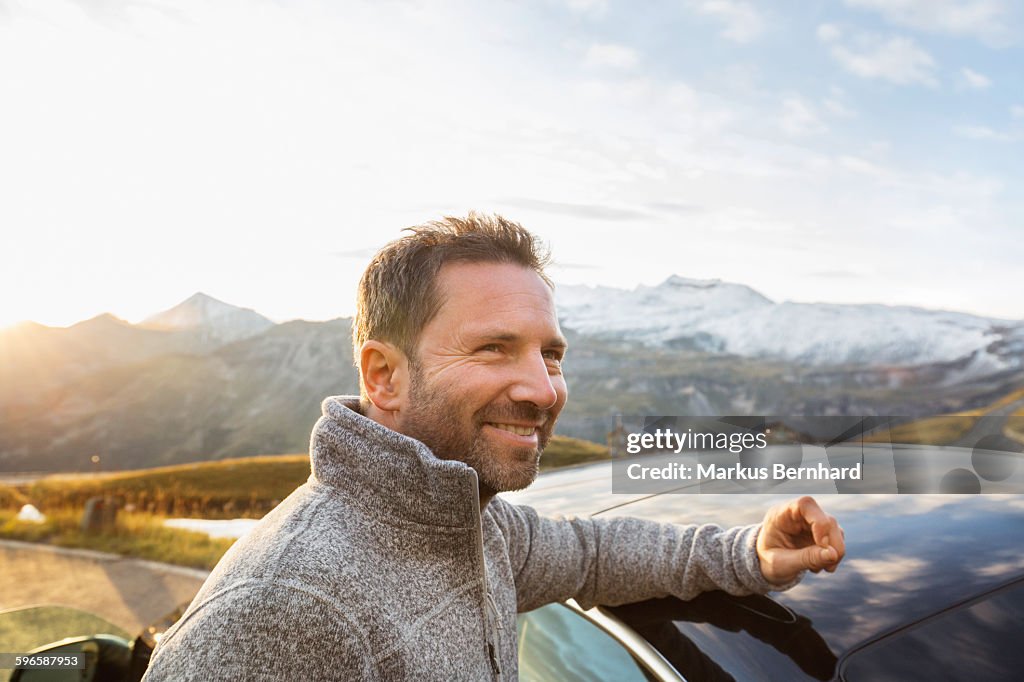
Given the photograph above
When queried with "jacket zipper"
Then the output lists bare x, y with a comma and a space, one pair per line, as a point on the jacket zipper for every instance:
488, 599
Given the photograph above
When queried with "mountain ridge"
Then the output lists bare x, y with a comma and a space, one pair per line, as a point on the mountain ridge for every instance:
215, 319
145, 397
722, 317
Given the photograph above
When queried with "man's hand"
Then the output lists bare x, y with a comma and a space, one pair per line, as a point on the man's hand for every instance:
798, 536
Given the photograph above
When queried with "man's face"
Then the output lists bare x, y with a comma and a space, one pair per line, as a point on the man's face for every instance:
486, 384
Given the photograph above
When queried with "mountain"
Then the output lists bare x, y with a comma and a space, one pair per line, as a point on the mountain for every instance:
207, 380
210, 319
34, 357
719, 317
260, 395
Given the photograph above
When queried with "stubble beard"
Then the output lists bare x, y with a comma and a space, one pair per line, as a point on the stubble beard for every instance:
433, 419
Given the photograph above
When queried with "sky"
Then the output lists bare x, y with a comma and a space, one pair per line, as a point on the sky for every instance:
847, 151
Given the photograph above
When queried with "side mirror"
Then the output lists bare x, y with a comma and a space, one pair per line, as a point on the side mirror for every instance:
105, 658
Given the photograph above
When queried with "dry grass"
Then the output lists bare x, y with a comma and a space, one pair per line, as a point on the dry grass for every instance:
136, 534
1015, 426
931, 431
231, 488
247, 487
949, 428
563, 451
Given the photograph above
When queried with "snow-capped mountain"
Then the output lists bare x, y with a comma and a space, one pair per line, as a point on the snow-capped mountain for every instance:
213, 319
717, 316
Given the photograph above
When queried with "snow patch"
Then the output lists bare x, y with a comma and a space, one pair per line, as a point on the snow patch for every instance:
717, 316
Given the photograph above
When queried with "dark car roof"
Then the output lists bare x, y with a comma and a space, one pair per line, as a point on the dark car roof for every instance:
909, 557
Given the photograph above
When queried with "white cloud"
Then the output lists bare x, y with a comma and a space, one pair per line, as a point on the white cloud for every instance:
743, 23
612, 56
977, 132
836, 105
799, 117
596, 8
987, 20
897, 60
1017, 111
974, 80
828, 33
837, 108
336, 138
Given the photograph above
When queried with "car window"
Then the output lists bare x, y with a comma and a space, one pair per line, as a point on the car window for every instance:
556, 643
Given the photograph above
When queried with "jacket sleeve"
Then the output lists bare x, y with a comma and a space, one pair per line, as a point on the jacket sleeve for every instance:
261, 631
620, 560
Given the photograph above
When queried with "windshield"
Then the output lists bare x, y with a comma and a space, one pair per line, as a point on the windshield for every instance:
29, 628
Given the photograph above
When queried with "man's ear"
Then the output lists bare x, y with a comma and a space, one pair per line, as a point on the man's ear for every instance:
383, 369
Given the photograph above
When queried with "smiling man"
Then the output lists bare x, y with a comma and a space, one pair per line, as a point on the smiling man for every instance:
484, 383
397, 559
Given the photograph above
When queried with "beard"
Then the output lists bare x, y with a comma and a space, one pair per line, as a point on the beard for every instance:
436, 419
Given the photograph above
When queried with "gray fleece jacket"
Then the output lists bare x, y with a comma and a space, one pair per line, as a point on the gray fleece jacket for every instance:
382, 567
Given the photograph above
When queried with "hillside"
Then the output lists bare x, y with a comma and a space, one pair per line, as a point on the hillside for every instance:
721, 317
173, 390
211, 320
255, 396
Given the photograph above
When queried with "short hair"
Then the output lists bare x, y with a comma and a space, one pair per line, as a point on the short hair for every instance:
398, 296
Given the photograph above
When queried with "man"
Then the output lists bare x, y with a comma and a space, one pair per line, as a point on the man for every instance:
396, 560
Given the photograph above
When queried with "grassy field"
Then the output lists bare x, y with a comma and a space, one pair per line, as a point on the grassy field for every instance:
1008, 399
1015, 425
11, 497
234, 488
231, 488
136, 534
931, 431
562, 451
946, 429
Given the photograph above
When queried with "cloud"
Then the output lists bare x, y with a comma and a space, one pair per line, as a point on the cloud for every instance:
586, 211
835, 274
356, 253
743, 23
987, 20
1017, 111
612, 56
675, 207
970, 78
896, 59
672, 107
799, 117
835, 104
978, 132
837, 108
555, 265
828, 33
594, 8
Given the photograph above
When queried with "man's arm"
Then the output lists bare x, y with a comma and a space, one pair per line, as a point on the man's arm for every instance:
620, 560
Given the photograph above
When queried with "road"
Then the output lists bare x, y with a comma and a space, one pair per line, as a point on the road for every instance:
130, 593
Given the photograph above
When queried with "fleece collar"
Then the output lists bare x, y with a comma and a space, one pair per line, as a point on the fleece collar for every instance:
383, 467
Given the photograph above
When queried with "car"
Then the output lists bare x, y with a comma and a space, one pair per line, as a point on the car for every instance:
64, 644
932, 588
